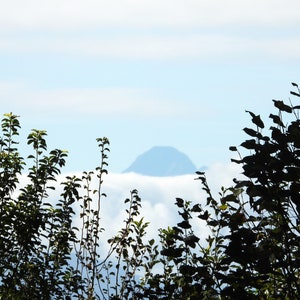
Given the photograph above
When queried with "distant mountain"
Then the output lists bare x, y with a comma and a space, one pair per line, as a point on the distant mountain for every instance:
162, 161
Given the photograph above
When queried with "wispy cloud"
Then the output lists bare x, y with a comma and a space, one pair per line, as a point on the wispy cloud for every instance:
152, 29
157, 46
100, 102
166, 13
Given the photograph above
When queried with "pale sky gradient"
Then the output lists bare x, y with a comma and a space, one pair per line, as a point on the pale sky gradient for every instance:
145, 73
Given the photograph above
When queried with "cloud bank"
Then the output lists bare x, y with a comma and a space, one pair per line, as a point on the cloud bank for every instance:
158, 196
159, 193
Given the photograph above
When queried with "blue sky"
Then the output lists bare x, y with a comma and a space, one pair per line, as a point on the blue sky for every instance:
145, 73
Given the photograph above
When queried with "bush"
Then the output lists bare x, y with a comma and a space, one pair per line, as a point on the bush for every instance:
252, 251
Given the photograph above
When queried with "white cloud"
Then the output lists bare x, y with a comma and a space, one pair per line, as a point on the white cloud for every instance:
167, 47
158, 196
156, 46
170, 29
159, 193
65, 14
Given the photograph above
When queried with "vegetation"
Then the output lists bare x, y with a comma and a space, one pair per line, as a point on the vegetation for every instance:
252, 251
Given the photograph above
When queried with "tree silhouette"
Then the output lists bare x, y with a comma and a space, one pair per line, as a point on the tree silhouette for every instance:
251, 250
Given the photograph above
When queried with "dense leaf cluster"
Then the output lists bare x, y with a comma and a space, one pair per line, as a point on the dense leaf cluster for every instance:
251, 251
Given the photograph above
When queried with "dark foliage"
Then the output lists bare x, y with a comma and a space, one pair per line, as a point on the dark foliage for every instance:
251, 251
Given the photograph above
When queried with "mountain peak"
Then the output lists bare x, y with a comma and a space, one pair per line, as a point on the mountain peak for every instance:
162, 161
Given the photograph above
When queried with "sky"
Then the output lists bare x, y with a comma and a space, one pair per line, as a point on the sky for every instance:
145, 73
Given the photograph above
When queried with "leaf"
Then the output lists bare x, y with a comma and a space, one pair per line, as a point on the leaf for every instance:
200, 173
256, 119
252, 132
196, 208
179, 202
249, 144
187, 270
223, 207
277, 135
281, 106
237, 161
277, 120
191, 240
184, 224
172, 252
295, 94
204, 216
151, 242
229, 198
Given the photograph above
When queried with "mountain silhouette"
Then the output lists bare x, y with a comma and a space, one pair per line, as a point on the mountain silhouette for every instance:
162, 161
